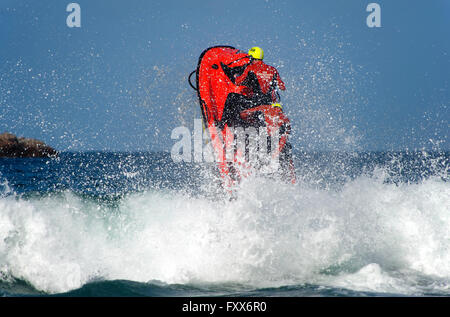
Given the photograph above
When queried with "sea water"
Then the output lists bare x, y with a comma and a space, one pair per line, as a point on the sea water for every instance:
137, 224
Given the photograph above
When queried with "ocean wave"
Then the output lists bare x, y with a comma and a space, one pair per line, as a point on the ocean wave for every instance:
368, 235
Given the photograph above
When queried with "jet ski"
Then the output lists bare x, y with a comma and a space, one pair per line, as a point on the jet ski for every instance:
246, 138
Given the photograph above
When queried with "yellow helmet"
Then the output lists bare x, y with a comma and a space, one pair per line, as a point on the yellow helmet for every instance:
256, 52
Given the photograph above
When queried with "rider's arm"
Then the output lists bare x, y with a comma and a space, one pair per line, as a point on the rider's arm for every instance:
240, 79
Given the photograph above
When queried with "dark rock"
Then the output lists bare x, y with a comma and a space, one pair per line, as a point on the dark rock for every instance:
11, 146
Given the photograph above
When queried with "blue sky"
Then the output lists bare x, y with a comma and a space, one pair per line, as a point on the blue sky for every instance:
119, 81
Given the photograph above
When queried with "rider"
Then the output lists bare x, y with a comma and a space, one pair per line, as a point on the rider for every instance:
263, 79
259, 82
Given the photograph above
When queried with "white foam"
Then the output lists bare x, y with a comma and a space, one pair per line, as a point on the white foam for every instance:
273, 234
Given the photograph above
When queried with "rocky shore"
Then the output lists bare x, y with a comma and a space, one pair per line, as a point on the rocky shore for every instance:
12, 146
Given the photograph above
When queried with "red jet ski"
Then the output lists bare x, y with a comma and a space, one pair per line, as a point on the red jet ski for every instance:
246, 138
